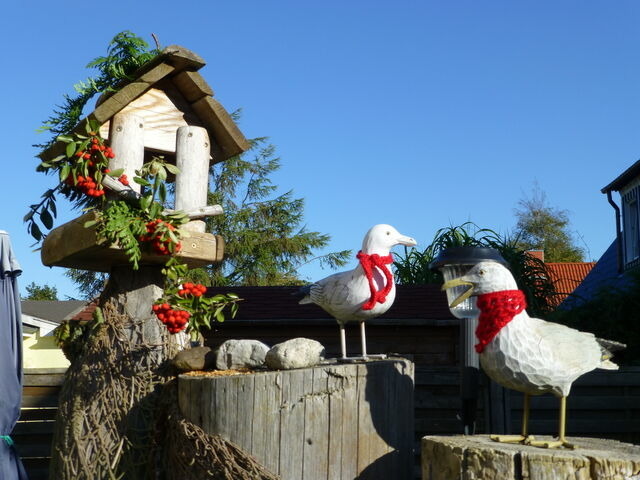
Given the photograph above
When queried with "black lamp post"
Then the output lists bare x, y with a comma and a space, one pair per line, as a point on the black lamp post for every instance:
453, 263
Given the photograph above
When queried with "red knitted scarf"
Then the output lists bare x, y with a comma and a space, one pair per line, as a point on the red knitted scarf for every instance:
368, 263
496, 310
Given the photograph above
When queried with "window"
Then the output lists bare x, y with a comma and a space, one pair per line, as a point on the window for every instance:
631, 224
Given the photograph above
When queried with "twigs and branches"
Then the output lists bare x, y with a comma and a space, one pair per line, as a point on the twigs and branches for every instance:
189, 452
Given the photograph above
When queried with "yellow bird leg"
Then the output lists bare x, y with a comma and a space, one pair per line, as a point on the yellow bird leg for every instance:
562, 440
525, 438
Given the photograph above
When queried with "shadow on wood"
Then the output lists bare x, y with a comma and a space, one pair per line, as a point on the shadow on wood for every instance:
333, 421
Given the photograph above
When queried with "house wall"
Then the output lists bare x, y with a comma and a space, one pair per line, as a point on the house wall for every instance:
42, 352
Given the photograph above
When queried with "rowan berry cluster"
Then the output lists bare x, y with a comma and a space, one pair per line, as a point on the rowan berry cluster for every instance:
123, 180
157, 236
86, 185
95, 147
175, 320
195, 289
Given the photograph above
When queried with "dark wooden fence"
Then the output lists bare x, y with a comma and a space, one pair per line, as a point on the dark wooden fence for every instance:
602, 404
34, 430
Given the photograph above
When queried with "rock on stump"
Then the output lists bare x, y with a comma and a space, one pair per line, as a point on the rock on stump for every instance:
479, 457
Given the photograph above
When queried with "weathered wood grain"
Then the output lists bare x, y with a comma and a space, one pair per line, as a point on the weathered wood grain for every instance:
226, 133
310, 424
74, 246
127, 141
163, 111
182, 58
337, 407
292, 412
192, 182
316, 424
477, 456
192, 85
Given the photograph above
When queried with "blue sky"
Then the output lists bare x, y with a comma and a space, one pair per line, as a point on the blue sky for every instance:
420, 114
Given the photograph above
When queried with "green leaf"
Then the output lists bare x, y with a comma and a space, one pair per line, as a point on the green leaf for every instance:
116, 173
141, 181
162, 193
90, 223
71, 149
145, 202
172, 168
64, 172
65, 138
46, 219
35, 231
162, 174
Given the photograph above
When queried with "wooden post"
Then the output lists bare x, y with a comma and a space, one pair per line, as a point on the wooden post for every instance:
337, 421
127, 141
192, 183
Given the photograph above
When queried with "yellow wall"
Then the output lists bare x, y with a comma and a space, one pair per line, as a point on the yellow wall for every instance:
42, 352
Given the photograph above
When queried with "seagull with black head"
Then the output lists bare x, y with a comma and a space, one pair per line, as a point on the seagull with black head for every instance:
365, 292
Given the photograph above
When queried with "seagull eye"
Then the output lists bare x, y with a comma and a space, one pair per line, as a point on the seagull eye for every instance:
388, 233
481, 272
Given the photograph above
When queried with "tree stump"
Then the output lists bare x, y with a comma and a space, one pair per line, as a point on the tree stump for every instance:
479, 457
337, 421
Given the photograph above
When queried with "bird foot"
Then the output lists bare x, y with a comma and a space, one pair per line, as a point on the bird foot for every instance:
560, 443
361, 358
524, 440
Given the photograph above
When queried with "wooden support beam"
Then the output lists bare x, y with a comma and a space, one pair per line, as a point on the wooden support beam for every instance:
192, 182
127, 193
127, 141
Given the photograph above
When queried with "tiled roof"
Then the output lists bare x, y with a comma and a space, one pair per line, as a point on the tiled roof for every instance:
604, 274
86, 313
53, 310
426, 302
262, 303
568, 275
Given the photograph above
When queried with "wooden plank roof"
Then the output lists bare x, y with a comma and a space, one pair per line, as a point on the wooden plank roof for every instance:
173, 72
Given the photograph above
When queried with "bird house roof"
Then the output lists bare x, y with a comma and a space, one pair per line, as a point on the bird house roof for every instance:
167, 93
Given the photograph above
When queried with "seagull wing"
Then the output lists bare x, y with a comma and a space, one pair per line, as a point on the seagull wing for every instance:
570, 352
341, 294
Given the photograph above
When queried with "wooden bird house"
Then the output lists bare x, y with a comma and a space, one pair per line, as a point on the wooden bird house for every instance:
166, 109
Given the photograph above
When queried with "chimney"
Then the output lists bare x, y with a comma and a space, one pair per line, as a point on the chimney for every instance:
539, 254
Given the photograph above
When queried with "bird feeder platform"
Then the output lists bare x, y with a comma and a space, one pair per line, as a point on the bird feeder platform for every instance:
73, 246
477, 456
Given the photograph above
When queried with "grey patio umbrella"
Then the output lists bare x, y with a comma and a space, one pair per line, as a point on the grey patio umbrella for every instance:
11, 467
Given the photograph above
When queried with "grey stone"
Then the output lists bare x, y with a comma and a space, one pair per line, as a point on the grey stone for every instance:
241, 354
295, 353
197, 358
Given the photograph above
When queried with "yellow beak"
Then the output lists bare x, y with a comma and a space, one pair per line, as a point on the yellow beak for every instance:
458, 282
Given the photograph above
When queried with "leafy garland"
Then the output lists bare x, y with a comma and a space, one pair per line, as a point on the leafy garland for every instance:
136, 223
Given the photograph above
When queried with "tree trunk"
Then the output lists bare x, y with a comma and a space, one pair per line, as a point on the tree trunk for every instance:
105, 417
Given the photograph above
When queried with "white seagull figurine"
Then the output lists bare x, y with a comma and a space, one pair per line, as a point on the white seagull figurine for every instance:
364, 292
527, 354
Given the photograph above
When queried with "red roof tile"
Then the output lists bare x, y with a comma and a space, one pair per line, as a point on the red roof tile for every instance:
568, 275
